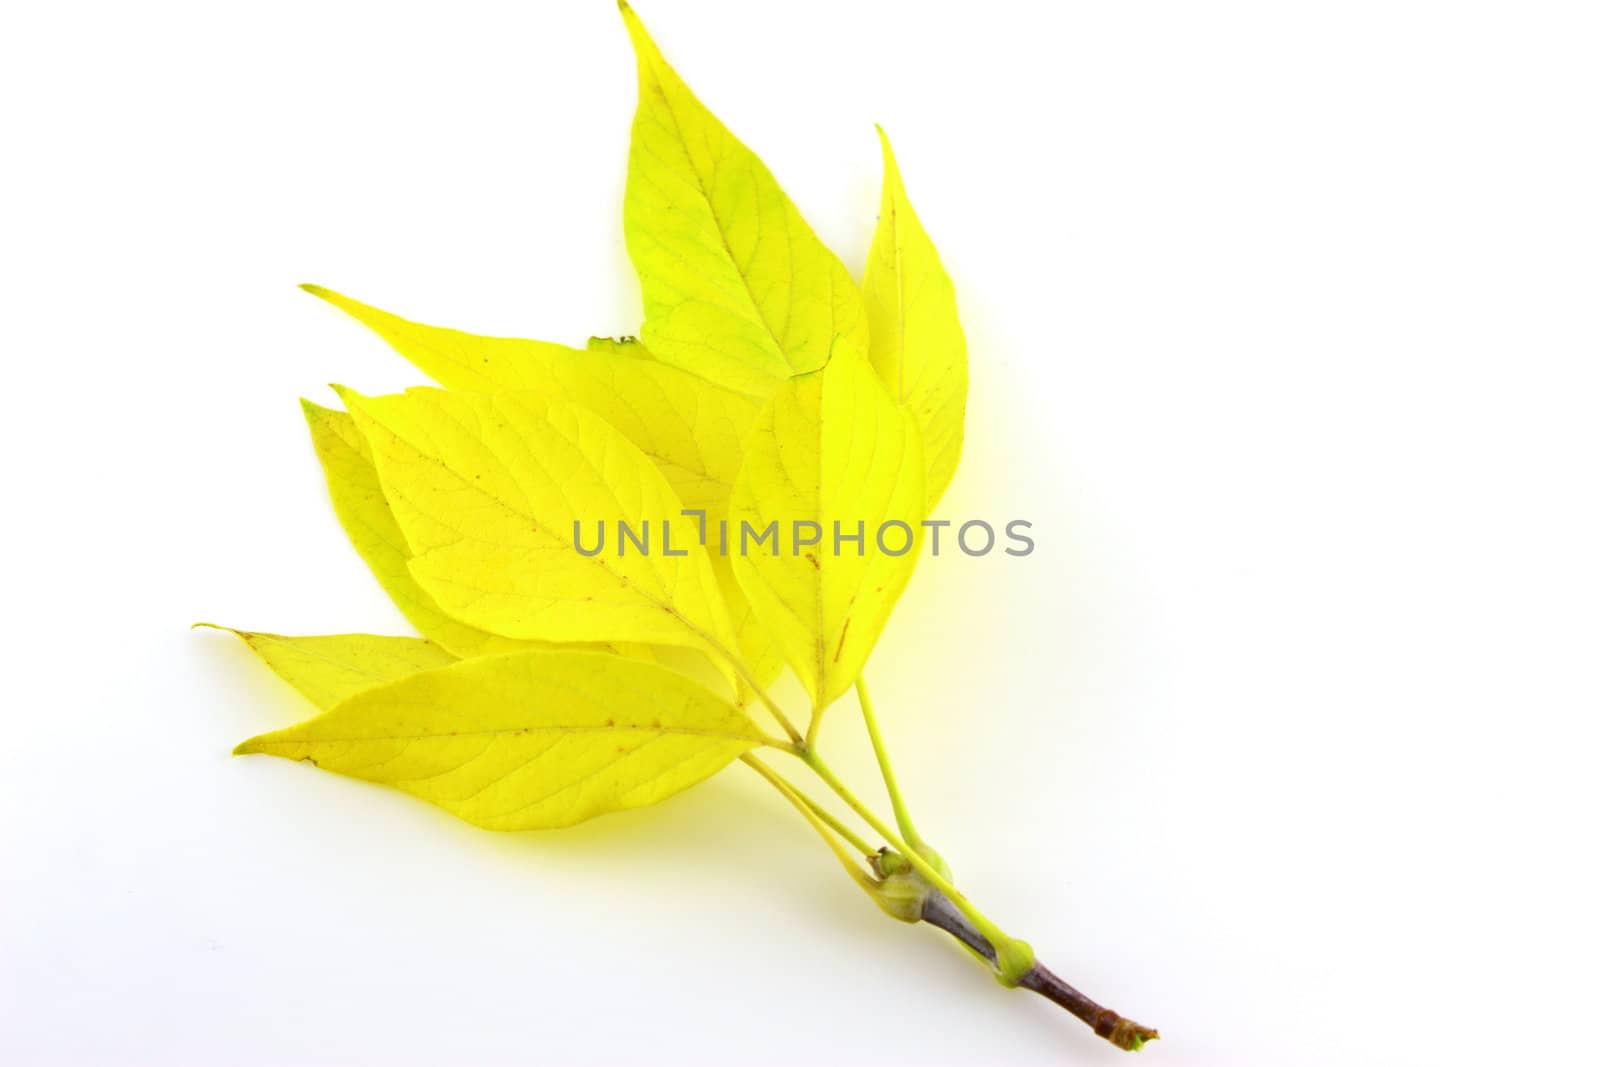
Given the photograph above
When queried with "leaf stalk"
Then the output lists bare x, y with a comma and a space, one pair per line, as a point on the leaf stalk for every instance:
825, 825
902, 814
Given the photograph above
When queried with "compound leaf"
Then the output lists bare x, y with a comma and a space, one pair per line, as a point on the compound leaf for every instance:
529, 740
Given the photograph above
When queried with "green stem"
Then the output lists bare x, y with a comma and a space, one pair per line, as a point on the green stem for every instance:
824, 824
856, 841
902, 815
1014, 958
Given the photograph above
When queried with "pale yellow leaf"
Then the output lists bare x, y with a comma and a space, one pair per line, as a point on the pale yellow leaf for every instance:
693, 430
328, 668
761, 653
918, 347
454, 358
364, 513
830, 448
529, 740
488, 491
737, 288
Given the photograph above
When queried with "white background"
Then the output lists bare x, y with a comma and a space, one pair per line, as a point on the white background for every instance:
1284, 334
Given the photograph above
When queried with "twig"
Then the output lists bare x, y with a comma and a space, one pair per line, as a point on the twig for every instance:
1123, 1033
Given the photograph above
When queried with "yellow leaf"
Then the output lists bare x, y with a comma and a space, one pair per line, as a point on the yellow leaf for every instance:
737, 288
830, 448
364, 513
450, 357
359, 503
333, 667
693, 430
529, 740
761, 654
488, 491
918, 348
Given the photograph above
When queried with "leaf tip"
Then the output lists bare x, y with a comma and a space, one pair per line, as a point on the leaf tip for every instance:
345, 393
362, 313
243, 635
890, 167
313, 410
643, 46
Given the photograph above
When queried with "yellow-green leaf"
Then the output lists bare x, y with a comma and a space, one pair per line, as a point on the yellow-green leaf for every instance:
328, 668
737, 288
619, 346
918, 348
830, 448
530, 740
488, 491
364, 513
693, 430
